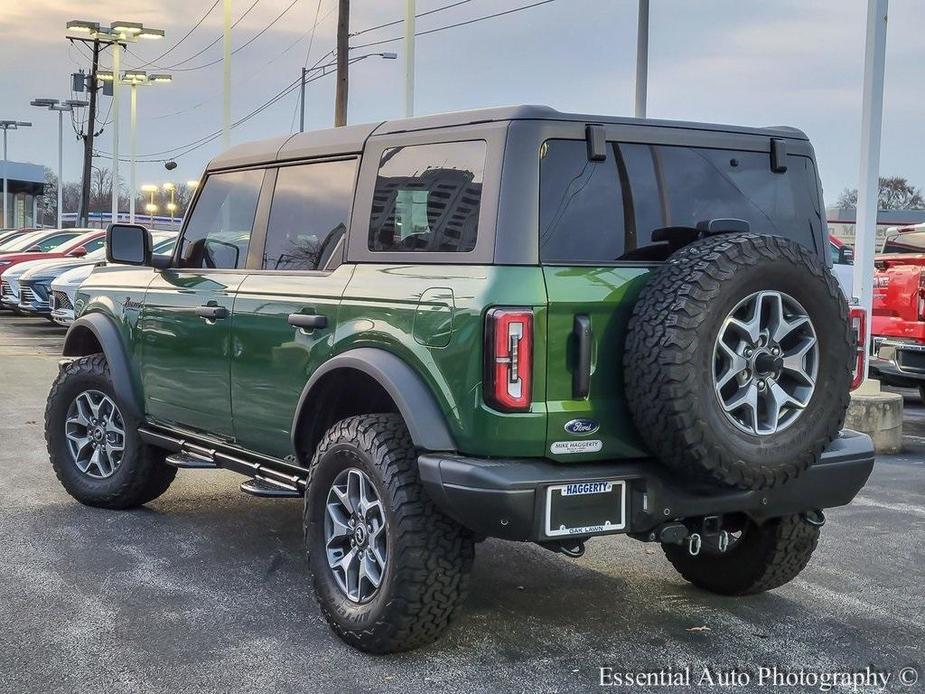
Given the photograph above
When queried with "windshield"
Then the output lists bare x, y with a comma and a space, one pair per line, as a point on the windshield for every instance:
644, 201
21, 242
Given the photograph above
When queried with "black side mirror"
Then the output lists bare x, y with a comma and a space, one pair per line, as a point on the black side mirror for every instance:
128, 244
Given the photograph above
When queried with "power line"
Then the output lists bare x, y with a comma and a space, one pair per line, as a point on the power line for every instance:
185, 36
457, 24
417, 16
201, 50
239, 48
241, 80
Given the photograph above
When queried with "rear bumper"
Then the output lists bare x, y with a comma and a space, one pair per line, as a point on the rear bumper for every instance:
900, 364
506, 498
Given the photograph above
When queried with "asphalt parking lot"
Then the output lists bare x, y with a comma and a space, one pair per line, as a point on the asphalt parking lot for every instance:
205, 590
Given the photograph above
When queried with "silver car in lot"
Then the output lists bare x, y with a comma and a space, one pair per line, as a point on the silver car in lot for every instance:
63, 288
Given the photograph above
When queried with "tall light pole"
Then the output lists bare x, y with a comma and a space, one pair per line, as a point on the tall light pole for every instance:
226, 78
409, 58
642, 58
117, 35
172, 205
62, 108
869, 174
134, 79
8, 125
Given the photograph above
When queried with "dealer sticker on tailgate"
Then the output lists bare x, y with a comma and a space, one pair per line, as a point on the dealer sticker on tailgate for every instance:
566, 447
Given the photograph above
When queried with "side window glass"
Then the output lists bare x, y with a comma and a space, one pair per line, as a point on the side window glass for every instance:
52, 242
308, 217
219, 230
94, 245
427, 198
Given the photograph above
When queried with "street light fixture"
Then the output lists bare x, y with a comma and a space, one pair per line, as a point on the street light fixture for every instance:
7, 125
61, 107
118, 33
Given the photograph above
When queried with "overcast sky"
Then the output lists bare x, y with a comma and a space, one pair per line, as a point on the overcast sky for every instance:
745, 62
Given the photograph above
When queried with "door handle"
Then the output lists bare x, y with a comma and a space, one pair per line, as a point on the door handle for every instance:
308, 321
212, 312
581, 377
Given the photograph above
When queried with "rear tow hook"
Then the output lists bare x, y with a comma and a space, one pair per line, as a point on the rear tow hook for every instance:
570, 548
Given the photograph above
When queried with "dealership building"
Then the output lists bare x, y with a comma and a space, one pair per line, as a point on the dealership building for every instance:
842, 222
25, 184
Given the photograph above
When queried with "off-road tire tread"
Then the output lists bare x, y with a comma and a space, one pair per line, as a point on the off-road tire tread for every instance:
658, 358
436, 554
783, 548
152, 476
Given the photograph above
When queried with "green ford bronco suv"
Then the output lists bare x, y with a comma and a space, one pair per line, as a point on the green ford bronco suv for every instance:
511, 323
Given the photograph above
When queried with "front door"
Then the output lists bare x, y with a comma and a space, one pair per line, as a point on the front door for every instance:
186, 319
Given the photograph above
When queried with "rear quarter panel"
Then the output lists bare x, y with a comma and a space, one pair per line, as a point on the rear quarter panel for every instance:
380, 307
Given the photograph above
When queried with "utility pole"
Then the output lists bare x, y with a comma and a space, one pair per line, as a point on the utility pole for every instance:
409, 58
343, 29
642, 58
83, 212
226, 79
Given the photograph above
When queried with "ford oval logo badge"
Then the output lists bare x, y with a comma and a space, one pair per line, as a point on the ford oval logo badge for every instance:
581, 427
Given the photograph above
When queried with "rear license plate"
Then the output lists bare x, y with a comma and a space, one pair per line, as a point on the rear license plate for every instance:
584, 508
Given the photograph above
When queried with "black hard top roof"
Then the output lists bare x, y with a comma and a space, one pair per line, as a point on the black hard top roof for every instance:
351, 138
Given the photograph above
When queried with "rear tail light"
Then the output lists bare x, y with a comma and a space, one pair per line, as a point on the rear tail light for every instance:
858, 318
509, 359
921, 295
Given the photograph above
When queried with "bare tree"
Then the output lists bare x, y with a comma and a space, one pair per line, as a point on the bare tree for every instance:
896, 193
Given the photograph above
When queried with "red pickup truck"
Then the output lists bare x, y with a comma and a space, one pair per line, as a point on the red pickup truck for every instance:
898, 317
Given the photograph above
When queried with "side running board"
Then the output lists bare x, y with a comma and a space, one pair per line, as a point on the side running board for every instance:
190, 461
271, 478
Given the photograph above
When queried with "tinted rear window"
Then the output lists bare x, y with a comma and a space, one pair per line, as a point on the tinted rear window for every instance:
643, 201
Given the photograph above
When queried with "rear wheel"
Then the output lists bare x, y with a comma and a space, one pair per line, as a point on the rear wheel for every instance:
390, 571
759, 558
93, 442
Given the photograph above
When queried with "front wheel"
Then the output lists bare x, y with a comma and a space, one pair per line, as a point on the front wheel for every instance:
94, 444
759, 558
390, 570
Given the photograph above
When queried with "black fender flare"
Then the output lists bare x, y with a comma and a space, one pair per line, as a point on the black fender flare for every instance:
425, 420
107, 335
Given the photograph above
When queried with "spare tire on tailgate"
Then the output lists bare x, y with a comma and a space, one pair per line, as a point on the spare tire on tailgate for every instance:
738, 360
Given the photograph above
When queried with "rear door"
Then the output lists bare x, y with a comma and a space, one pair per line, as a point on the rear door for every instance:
186, 336
604, 225
285, 312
